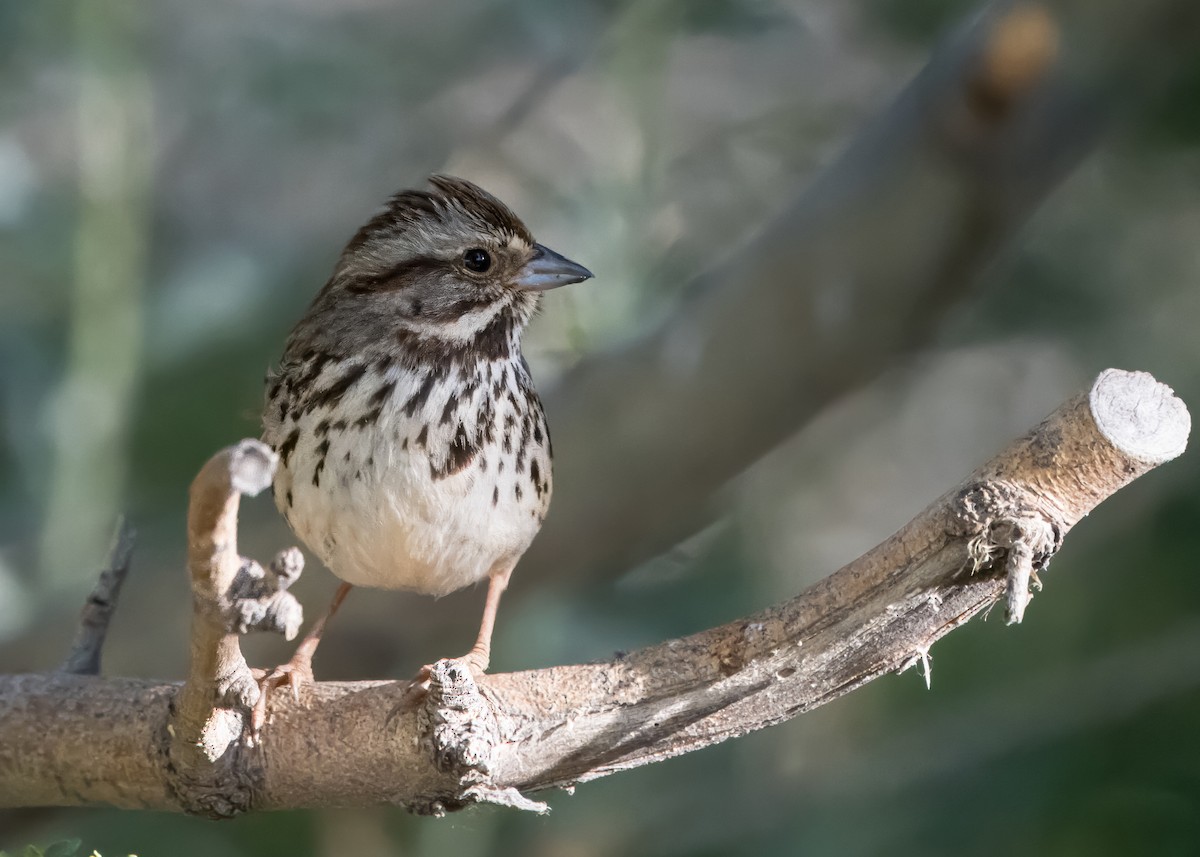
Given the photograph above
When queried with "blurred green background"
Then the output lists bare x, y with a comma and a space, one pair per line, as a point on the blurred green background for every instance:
176, 180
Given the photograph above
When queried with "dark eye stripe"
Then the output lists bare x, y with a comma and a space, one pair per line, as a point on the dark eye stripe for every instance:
398, 276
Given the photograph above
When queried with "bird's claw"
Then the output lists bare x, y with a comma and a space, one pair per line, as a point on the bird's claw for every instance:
295, 674
418, 687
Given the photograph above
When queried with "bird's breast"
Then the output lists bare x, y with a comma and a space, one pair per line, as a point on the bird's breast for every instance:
422, 478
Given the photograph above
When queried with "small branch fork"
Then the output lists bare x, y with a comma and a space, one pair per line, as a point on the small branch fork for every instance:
68, 739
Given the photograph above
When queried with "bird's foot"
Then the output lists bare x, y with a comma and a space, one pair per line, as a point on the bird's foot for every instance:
295, 674
475, 660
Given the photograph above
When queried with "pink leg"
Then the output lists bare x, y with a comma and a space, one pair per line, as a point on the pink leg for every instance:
481, 653
308, 646
298, 670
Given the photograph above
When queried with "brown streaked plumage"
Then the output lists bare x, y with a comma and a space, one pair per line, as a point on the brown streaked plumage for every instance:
414, 453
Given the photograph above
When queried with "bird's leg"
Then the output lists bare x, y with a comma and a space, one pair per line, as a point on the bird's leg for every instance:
480, 655
298, 670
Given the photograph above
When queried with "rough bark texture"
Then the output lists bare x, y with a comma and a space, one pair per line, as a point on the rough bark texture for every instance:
67, 740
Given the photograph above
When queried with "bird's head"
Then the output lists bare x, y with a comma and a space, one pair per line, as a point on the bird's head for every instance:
446, 260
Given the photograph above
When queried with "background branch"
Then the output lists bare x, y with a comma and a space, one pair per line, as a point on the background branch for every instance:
84, 657
855, 272
526, 731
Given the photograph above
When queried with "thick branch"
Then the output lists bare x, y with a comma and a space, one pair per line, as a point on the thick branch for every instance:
354, 744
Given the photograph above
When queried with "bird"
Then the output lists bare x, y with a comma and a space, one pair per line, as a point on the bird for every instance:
413, 449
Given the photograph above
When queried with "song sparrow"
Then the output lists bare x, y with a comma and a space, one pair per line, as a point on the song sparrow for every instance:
413, 449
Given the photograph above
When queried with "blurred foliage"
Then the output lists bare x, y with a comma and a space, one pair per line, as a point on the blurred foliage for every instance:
645, 140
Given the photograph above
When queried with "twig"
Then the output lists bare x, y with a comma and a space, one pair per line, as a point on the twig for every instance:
357, 743
84, 657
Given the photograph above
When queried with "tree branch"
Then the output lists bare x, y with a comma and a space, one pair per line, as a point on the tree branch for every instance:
67, 740
84, 657
208, 770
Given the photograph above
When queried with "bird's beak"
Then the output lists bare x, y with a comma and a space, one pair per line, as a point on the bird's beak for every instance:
548, 270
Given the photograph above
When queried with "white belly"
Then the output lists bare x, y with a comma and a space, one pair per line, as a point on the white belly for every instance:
378, 514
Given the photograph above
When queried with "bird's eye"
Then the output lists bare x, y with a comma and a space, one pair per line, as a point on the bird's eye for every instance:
477, 259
